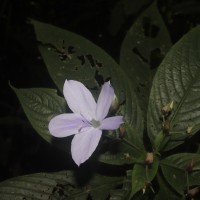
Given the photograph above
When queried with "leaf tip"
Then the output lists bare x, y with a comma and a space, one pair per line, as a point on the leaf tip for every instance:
11, 86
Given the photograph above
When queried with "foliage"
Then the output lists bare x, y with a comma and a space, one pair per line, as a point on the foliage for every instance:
158, 89
59, 185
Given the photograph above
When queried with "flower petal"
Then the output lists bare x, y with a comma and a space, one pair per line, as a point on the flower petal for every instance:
104, 101
111, 123
84, 144
66, 124
79, 99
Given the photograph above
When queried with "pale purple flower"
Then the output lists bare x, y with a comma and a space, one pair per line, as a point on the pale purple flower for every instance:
87, 120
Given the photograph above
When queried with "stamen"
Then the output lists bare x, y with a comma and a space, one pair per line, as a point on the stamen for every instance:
95, 123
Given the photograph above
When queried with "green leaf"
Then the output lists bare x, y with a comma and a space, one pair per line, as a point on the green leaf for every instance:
123, 151
122, 194
165, 191
175, 169
38, 186
59, 185
177, 80
143, 48
70, 56
120, 156
142, 175
122, 11
80, 59
198, 149
99, 186
40, 105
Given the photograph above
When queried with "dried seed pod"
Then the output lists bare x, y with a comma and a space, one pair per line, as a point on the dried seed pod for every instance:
167, 108
189, 129
127, 156
122, 131
149, 158
190, 165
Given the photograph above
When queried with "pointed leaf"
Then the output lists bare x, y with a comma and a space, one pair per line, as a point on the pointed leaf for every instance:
122, 11
99, 186
40, 105
176, 167
177, 80
59, 185
142, 175
143, 48
38, 186
123, 193
121, 151
70, 56
165, 192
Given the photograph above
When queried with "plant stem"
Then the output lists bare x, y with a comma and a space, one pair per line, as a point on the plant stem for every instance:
187, 181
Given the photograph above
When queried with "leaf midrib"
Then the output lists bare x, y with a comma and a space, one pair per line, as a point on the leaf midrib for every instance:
172, 166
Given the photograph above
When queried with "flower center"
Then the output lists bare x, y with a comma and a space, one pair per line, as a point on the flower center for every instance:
95, 123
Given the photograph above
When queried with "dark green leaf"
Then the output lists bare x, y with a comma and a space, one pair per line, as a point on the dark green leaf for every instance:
177, 80
122, 11
38, 186
99, 186
40, 105
118, 157
56, 186
143, 48
70, 56
175, 169
123, 151
122, 194
142, 175
198, 150
165, 192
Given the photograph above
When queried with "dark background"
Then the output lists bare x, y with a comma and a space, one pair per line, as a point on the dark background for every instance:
105, 22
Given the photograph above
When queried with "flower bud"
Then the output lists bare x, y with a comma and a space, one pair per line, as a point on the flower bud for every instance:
115, 104
167, 108
189, 129
122, 131
149, 158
